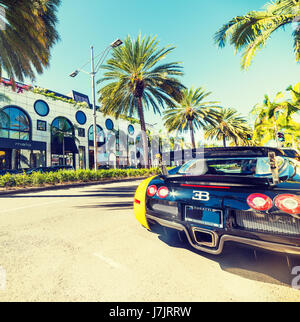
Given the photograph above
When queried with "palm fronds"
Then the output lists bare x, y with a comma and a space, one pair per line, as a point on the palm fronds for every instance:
191, 112
250, 32
229, 125
27, 36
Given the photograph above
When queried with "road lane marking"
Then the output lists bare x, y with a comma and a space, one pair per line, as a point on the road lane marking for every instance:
108, 261
31, 206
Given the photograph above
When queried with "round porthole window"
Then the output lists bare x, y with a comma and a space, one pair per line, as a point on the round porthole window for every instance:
41, 108
109, 124
80, 117
131, 129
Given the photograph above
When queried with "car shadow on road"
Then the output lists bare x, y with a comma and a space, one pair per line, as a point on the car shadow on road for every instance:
120, 192
108, 205
131, 189
257, 265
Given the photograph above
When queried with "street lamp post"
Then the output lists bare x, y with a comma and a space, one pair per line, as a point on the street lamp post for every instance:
94, 109
93, 73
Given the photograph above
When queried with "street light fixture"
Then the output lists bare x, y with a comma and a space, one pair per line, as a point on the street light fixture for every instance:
116, 43
93, 73
75, 73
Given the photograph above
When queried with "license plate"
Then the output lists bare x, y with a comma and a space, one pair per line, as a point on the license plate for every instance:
204, 216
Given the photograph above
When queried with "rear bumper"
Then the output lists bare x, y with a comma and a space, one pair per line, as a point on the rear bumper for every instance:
218, 242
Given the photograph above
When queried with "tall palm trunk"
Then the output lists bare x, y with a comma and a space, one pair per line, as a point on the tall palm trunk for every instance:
144, 134
192, 134
224, 140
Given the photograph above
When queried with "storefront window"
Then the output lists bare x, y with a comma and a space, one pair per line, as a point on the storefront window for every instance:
38, 159
100, 146
14, 124
100, 135
21, 159
82, 158
63, 146
67, 159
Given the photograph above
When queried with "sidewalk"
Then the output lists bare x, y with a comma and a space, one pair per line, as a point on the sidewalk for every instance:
16, 190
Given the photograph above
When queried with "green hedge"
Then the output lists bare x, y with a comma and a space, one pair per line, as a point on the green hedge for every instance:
68, 176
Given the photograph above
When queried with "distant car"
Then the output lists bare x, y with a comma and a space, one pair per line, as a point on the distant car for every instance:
3, 172
292, 153
246, 195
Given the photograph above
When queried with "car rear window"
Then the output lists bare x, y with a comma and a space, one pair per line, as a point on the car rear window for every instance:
240, 166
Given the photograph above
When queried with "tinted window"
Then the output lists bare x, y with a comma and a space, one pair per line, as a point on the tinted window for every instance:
80, 117
41, 108
109, 124
62, 124
14, 124
245, 166
131, 129
100, 134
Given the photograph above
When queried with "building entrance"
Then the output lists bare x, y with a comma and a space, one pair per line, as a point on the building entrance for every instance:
5, 159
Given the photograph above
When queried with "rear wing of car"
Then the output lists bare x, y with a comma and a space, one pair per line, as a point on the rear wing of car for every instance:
219, 179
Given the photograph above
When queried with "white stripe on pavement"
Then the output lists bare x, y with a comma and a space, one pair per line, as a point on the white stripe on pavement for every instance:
31, 206
108, 261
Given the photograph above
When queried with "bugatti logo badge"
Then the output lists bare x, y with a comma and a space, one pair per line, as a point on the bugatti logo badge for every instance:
201, 195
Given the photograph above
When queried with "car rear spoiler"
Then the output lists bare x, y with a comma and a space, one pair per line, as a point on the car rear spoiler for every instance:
219, 179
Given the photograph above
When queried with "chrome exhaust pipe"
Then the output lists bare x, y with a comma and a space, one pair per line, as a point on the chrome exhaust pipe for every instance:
204, 237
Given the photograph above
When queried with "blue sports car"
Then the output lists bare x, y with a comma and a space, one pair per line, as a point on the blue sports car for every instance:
247, 195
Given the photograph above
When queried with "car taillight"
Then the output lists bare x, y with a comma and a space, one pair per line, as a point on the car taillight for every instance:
137, 201
288, 203
151, 191
259, 201
163, 192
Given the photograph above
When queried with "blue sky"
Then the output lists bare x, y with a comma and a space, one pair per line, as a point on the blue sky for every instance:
188, 25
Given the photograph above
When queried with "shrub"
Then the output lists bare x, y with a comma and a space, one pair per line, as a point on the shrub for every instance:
38, 178
22, 180
64, 176
8, 180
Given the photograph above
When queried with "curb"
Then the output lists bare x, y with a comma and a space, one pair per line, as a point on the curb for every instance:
67, 186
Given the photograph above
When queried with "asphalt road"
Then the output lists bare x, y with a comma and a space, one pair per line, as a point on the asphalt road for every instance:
84, 244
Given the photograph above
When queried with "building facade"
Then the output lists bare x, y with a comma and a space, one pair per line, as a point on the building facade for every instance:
42, 128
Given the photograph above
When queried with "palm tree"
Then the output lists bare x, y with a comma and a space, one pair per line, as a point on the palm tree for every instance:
272, 116
190, 113
230, 125
136, 82
28, 32
295, 95
250, 32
